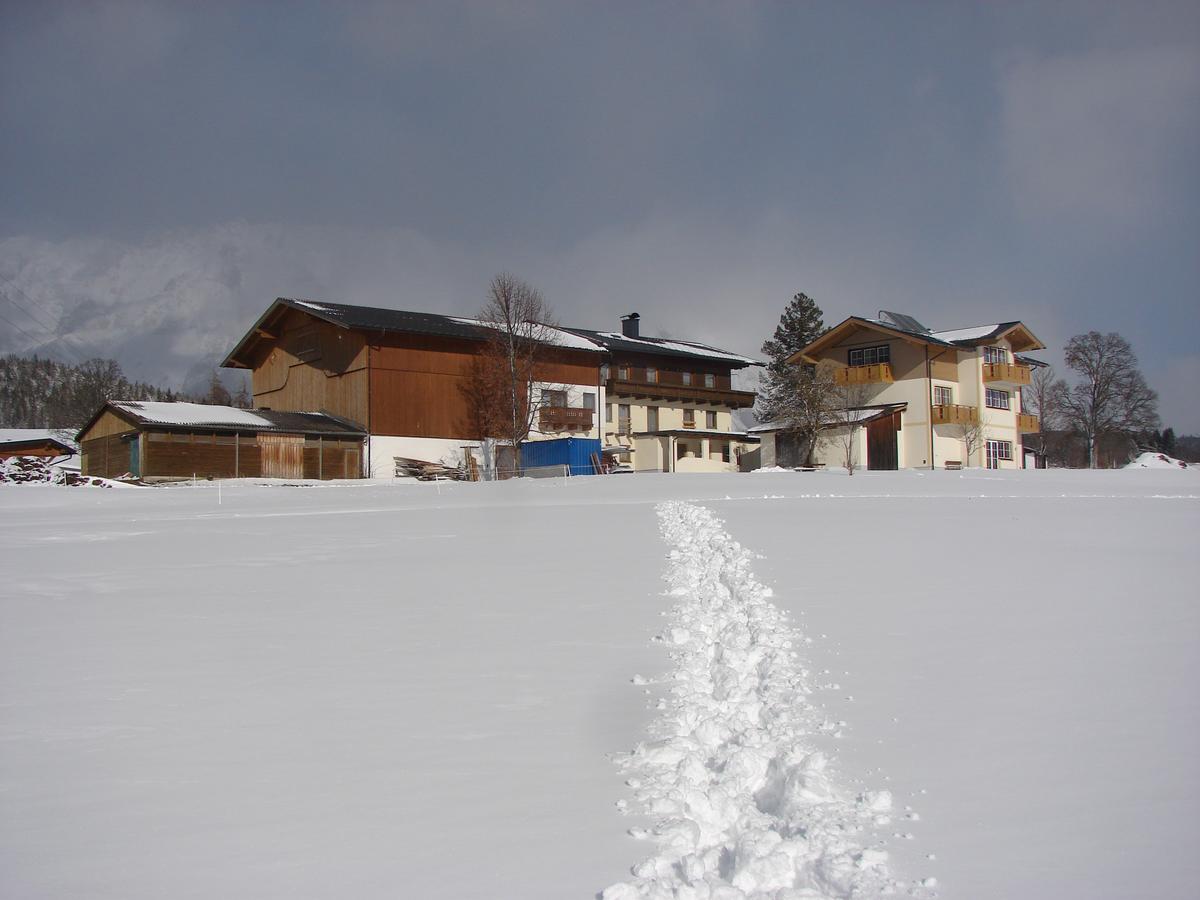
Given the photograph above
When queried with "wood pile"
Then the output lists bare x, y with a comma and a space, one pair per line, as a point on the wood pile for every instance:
424, 470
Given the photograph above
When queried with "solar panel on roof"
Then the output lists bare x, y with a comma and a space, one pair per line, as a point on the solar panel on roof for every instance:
902, 321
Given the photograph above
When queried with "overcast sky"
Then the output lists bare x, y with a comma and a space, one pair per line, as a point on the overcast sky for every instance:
696, 162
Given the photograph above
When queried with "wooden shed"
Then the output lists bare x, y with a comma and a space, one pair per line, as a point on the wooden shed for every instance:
33, 442
158, 441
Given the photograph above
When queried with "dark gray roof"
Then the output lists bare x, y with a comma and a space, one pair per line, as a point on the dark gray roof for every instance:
616, 343
372, 318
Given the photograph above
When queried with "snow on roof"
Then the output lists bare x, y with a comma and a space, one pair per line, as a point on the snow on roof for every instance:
163, 413
24, 435
840, 416
559, 337
975, 333
679, 347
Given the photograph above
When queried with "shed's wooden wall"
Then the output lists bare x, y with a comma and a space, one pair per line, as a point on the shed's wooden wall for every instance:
104, 457
167, 455
312, 367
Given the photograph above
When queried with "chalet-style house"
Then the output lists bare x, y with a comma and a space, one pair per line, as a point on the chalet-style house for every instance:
158, 441
402, 376
925, 399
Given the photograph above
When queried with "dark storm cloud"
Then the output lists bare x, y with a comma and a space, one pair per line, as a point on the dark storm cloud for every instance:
696, 162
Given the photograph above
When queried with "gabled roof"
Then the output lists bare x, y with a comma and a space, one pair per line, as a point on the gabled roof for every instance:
1020, 336
204, 417
860, 415
12, 438
379, 320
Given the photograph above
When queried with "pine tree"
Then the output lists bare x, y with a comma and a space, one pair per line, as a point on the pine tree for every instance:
800, 325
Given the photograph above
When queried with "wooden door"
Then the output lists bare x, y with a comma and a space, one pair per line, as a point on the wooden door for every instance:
282, 455
881, 442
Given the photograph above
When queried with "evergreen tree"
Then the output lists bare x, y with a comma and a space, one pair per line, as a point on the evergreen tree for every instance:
800, 325
242, 398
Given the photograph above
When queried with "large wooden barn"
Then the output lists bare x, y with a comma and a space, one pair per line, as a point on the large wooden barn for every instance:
405, 377
158, 441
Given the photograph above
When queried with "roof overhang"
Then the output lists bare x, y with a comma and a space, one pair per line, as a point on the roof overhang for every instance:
267, 328
836, 333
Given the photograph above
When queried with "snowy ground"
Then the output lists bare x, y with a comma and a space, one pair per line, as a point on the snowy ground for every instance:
429, 691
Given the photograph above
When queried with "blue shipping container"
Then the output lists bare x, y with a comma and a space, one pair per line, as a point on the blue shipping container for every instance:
573, 452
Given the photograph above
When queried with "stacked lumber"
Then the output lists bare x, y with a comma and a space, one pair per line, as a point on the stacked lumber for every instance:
424, 470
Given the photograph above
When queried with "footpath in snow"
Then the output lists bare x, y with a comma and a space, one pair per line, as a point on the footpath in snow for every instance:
742, 802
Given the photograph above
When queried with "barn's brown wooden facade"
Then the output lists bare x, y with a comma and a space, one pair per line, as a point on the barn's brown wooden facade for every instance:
140, 439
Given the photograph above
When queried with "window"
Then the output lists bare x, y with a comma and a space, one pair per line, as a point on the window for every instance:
710, 381
710, 419
604, 372
689, 418
996, 451
608, 412
622, 373
623, 418
725, 452
687, 377
995, 355
870, 356
652, 418
943, 396
554, 398
996, 399
651, 375
589, 400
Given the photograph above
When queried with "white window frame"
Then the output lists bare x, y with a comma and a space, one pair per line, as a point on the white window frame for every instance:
943, 395
994, 398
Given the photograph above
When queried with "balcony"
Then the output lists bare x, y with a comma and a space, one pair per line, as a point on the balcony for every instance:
1005, 373
879, 373
1027, 423
679, 392
950, 414
553, 418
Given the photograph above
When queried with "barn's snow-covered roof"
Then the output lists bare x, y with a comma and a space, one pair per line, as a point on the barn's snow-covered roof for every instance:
207, 417
380, 320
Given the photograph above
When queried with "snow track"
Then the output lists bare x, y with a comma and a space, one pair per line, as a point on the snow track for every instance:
743, 804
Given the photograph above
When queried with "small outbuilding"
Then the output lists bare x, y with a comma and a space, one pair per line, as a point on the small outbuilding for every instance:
33, 442
158, 441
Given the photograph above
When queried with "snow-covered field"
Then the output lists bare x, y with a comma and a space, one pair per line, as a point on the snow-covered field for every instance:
426, 691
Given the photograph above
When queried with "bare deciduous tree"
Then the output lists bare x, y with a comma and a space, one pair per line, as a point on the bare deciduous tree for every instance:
972, 435
522, 333
845, 416
803, 401
1044, 398
1111, 396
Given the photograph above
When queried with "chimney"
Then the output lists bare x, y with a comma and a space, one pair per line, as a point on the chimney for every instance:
629, 325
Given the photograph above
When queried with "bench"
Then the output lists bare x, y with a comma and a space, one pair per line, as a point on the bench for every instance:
953, 465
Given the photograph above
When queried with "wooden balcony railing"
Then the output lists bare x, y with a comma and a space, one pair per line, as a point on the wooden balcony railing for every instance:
1009, 373
879, 373
951, 414
564, 417
1027, 423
